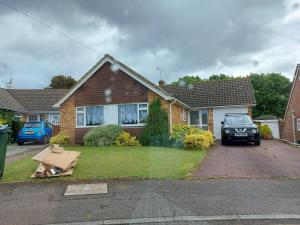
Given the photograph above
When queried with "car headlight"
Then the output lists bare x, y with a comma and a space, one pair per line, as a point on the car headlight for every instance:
226, 131
254, 131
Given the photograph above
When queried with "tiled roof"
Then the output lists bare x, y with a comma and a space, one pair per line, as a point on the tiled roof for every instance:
37, 100
9, 102
214, 93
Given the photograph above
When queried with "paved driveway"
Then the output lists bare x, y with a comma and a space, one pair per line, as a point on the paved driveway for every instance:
273, 159
14, 149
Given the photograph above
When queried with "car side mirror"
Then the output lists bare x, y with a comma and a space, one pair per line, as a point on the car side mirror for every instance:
222, 122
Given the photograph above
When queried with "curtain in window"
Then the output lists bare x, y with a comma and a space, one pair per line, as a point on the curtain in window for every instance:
143, 116
128, 114
94, 115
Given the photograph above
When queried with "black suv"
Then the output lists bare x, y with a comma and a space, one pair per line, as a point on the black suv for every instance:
239, 127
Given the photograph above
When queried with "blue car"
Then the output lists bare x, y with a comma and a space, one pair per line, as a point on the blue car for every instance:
35, 132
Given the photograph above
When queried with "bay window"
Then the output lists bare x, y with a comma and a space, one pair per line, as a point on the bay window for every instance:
132, 114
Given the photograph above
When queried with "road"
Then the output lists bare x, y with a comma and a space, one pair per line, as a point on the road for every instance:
45, 203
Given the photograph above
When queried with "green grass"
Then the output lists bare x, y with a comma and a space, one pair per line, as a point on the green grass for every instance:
117, 162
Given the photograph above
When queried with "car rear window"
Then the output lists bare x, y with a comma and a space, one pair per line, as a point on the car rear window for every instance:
238, 119
32, 125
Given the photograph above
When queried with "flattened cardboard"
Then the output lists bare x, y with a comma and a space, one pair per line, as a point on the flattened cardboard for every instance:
62, 160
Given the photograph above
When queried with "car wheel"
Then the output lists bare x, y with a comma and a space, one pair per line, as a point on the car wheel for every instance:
20, 142
45, 139
257, 142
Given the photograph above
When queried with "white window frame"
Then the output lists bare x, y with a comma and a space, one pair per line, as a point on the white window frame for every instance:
298, 124
200, 125
34, 114
83, 112
138, 114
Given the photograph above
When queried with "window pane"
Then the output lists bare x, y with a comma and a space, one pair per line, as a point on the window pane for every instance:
143, 116
80, 119
143, 106
94, 115
33, 118
194, 118
128, 114
80, 109
204, 117
205, 127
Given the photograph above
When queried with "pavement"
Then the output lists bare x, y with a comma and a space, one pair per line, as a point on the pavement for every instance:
155, 202
14, 149
272, 159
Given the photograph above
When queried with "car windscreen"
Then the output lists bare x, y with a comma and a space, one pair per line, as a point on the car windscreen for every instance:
238, 119
32, 125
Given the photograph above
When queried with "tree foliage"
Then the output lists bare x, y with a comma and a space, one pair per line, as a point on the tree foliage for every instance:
271, 91
62, 82
157, 122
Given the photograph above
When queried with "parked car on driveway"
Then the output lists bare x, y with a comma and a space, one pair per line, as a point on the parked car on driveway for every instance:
239, 127
35, 132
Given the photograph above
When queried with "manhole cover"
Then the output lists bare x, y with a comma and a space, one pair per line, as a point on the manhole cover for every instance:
86, 189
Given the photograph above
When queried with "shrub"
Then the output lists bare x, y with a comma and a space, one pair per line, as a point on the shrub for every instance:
60, 139
102, 135
180, 131
157, 123
16, 127
2, 121
197, 141
125, 139
265, 131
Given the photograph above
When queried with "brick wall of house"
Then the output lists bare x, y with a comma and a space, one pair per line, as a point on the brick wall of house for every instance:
294, 105
211, 120
68, 118
176, 109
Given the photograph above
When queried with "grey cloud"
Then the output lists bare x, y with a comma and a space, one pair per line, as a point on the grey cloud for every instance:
195, 35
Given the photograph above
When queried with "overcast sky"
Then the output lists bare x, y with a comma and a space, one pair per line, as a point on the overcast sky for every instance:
183, 37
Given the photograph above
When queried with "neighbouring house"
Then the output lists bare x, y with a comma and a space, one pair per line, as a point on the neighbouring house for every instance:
112, 93
290, 129
32, 105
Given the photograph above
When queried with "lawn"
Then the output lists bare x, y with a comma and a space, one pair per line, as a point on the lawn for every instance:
117, 162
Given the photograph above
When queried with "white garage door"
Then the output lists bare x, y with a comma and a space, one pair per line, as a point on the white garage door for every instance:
219, 114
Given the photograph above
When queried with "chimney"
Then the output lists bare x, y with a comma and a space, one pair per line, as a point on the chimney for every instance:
161, 83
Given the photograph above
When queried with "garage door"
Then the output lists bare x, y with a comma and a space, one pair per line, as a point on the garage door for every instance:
219, 114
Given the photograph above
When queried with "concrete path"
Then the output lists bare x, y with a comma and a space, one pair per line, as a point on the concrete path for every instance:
273, 159
178, 202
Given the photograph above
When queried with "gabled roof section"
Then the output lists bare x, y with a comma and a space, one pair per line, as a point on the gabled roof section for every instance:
7, 101
297, 73
107, 58
233, 92
37, 100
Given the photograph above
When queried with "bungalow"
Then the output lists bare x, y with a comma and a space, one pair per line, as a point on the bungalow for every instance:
290, 129
32, 105
112, 93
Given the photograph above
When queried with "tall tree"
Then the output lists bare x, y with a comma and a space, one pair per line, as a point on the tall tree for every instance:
188, 80
271, 93
62, 82
220, 77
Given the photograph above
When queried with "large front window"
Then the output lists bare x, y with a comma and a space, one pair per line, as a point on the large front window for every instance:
89, 116
199, 119
132, 114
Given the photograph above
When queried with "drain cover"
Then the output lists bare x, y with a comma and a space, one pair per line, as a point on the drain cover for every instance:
86, 189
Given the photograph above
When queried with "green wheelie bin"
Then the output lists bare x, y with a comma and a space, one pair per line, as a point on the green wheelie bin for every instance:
4, 134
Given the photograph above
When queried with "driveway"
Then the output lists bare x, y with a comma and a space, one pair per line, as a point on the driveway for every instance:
14, 149
273, 159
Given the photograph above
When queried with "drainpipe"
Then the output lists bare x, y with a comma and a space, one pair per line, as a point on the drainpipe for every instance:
293, 124
170, 117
